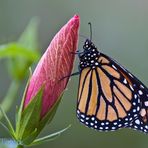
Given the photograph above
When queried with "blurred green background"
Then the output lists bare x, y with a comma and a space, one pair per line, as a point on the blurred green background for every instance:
120, 29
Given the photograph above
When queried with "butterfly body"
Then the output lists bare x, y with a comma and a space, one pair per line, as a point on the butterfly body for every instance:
109, 96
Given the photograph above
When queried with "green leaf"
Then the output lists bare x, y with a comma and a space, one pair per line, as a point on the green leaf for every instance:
9, 125
49, 137
30, 117
19, 59
17, 50
29, 37
22, 53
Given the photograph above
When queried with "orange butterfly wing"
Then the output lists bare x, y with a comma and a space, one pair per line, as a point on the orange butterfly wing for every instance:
105, 97
109, 96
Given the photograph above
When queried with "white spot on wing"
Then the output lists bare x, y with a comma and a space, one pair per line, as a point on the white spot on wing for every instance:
107, 123
114, 67
135, 126
91, 124
115, 123
134, 103
100, 127
146, 103
81, 120
102, 123
141, 86
141, 127
119, 125
131, 88
135, 96
113, 127
125, 82
138, 108
137, 121
82, 116
130, 75
140, 92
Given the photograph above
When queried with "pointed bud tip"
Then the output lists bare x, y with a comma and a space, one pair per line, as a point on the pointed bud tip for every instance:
76, 16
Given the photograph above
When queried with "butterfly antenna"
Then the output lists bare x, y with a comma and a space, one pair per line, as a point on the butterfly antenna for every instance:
90, 30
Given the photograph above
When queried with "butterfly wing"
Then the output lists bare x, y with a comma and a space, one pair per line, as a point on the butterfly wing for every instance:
108, 96
140, 123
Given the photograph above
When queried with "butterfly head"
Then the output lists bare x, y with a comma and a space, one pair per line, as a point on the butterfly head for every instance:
90, 56
89, 45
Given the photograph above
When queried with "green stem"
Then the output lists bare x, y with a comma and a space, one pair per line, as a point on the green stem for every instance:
20, 146
10, 97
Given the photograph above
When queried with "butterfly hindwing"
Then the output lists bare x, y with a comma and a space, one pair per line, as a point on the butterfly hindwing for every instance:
141, 122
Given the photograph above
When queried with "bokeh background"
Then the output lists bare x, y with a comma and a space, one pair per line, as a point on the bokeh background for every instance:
120, 29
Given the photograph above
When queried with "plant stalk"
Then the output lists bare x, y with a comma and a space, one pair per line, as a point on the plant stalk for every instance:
20, 146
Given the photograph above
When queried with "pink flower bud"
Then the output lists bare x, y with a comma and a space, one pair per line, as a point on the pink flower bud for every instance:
56, 63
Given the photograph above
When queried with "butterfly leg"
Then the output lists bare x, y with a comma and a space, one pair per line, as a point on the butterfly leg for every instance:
78, 52
73, 74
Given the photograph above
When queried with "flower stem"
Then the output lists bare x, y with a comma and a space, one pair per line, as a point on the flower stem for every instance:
20, 146
10, 97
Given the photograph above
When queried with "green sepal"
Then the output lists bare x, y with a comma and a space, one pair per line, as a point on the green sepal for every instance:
29, 122
49, 137
41, 124
30, 117
20, 109
30, 138
49, 116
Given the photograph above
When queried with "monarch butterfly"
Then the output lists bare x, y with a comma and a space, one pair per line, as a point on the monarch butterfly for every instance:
109, 96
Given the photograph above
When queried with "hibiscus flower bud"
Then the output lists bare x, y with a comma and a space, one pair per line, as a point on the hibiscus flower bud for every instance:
56, 63
48, 82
